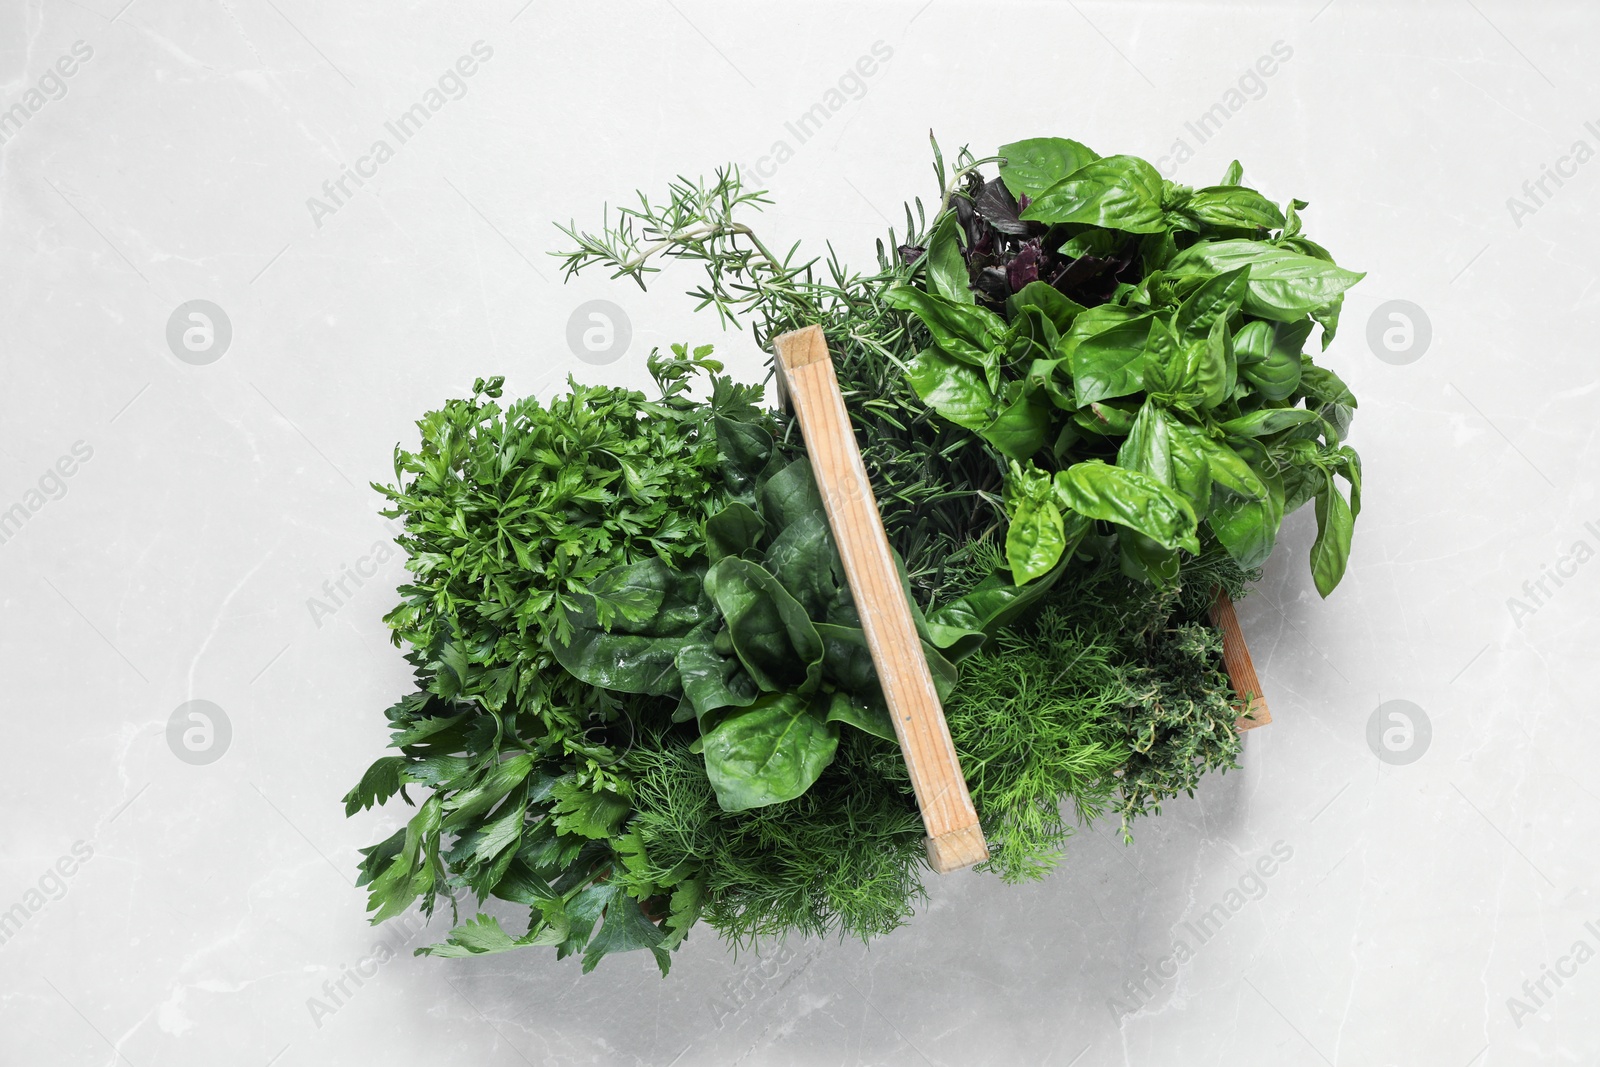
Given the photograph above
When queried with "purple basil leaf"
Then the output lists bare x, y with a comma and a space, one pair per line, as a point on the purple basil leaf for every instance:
1025, 267
997, 206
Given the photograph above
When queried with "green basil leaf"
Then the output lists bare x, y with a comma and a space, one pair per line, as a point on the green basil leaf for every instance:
1200, 371
1035, 538
947, 267
1233, 206
1268, 421
1301, 482
1257, 342
1129, 498
1328, 318
768, 753
960, 627
1145, 560
1105, 419
1283, 286
963, 331
1248, 527
1156, 445
1116, 192
1216, 299
956, 390
1051, 302
1323, 385
1032, 166
1350, 467
1099, 243
1050, 377
1105, 350
1268, 356
1330, 552
1227, 467
1021, 428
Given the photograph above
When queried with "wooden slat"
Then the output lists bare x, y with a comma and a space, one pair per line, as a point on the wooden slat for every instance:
954, 838
1236, 659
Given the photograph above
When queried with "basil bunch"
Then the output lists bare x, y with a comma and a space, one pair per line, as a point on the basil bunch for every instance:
1133, 349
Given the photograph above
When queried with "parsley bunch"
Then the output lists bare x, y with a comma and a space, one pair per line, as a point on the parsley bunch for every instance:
510, 515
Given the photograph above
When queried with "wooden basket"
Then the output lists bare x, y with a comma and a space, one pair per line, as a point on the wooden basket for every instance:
806, 377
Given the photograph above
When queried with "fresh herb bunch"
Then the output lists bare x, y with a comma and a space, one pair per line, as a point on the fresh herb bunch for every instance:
511, 515
644, 696
1133, 348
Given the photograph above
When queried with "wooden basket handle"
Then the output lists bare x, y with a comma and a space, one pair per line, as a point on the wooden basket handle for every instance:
805, 370
1241, 670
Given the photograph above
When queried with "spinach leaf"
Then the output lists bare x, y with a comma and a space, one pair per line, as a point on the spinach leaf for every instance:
804, 558
790, 495
733, 531
864, 715
628, 628
711, 680
744, 450
769, 752
770, 632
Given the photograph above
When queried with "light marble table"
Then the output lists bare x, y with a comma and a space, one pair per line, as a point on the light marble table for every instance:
195, 521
